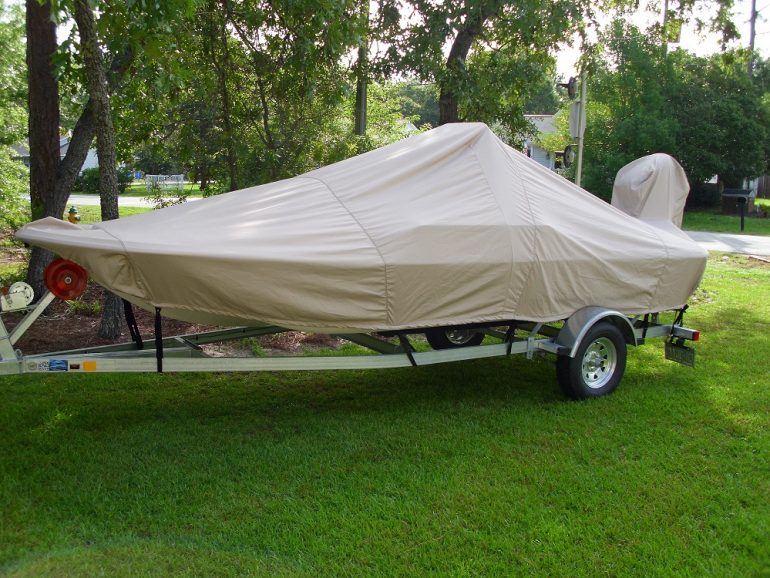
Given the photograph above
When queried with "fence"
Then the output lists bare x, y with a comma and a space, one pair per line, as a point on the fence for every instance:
164, 181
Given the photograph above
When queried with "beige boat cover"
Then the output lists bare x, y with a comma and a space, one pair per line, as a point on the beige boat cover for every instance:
652, 188
447, 227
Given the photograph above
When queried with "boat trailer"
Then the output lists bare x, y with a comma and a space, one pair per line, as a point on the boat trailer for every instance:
590, 346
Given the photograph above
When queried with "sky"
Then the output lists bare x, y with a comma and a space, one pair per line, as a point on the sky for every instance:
690, 40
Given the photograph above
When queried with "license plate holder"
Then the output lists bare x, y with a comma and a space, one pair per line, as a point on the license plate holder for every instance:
680, 354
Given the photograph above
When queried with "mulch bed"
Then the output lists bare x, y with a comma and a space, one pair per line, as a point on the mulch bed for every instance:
73, 325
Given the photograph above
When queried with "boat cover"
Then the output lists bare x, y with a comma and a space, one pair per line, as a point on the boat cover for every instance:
652, 188
448, 227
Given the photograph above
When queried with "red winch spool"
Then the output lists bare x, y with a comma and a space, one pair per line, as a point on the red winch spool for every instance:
65, 279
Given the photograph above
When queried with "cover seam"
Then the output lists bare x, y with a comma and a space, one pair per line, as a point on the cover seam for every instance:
137, 271
388, 313
535, 224
506, 298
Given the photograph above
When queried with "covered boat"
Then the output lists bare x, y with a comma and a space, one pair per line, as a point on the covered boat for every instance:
448, 227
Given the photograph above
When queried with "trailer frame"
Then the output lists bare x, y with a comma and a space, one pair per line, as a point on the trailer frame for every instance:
390, 349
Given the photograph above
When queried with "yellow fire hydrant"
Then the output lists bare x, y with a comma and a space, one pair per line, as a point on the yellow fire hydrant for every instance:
72, 215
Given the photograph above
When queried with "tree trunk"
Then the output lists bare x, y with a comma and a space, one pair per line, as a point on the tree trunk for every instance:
219, 34
55, 200
362, 80
105, 145
474, 25
359, 120
43, 101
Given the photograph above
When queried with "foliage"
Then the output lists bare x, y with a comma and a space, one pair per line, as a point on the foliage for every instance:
88, 181
155, 159
14, 176
722, 128
703, 111
386, 119
419, 101
13, 89
84, 307
500, 51
14, 182
543, 97
161, 197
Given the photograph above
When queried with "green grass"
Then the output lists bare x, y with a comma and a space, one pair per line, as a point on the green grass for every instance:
470, 469
93, 214
140, 190
715, 222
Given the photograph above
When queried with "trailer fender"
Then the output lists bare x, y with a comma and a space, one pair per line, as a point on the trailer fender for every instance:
581, 321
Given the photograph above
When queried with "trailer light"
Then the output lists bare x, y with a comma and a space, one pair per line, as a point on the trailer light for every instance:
65, 279
696, 335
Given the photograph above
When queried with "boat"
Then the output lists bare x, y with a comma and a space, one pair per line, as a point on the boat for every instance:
450, 227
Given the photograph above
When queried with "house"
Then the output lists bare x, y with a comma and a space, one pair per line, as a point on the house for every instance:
545, 125
21, 153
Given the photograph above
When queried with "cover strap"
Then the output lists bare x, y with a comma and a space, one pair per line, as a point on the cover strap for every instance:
133, 328
158, 340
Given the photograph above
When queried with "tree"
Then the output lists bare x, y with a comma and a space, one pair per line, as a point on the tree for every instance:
498, 52
131, 27
105, 144
628, 114
419, 100
544, 99
721, 128
43, 107
53, 180
704, 111
14, 178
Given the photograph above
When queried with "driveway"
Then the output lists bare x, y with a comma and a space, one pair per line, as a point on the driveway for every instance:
745, 244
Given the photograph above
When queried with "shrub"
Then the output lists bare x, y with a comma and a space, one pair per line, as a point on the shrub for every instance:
125, 178
160, 197
88, 181
14, 182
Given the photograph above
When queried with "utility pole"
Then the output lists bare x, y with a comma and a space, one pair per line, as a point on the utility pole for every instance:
581, 127
752, 35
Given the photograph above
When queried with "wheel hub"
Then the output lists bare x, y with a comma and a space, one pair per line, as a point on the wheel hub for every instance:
599, 362
459, 336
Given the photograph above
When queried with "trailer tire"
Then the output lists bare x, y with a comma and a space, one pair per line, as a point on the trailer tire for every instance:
451, 337
598, 365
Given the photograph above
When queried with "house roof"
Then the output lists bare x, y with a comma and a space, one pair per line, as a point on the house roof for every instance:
543, 122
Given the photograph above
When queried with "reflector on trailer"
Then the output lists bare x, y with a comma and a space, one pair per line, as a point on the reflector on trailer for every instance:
65, 279
696, 335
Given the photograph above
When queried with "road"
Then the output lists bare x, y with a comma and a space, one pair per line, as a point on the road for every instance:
744, 244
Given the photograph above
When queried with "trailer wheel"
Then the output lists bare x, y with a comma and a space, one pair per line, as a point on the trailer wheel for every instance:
598, 365
449, 337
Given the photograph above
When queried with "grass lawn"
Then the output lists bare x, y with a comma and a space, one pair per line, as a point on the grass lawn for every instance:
475, 468
93, 214
716, 222
140, 190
